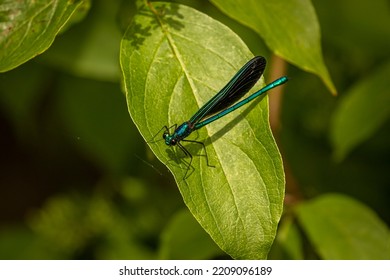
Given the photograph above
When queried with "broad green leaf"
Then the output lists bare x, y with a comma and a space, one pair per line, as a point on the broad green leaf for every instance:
342, 228
363, 110
174, 59
28, 28
184, 239
289, 27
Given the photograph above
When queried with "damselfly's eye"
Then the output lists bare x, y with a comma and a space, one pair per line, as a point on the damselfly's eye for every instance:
165, 135
173, 142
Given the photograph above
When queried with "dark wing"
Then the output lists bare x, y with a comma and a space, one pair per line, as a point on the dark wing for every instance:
236, 88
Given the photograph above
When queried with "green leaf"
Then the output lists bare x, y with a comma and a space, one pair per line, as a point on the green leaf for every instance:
184, 239
174, 59
28, 28
342, 228
363, 110
289, 27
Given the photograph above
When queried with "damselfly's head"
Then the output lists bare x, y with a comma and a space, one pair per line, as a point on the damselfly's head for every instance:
170, 140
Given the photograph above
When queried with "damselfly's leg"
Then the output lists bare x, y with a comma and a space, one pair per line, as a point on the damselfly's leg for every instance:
204, 148
187, 153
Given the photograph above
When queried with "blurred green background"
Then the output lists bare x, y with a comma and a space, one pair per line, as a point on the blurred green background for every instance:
78, 181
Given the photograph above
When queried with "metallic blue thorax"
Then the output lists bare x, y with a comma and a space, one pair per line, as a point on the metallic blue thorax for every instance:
179, 134
183, 130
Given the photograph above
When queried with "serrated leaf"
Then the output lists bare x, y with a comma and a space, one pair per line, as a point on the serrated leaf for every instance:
290, 28
361, 112
28, 28
342, 228
174, 59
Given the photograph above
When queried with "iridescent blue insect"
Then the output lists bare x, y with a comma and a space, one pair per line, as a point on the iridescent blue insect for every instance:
222, 104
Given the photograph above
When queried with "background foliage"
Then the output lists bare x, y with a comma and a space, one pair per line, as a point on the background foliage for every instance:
78, 181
